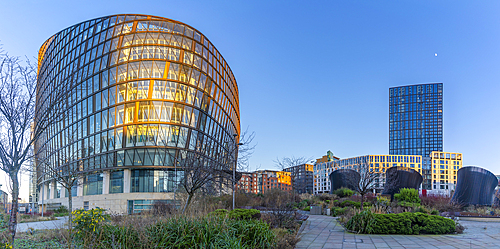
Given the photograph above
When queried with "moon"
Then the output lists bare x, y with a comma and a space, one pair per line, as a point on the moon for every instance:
435, 54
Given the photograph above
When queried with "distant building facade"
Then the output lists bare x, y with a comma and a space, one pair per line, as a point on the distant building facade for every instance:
302, 178
444, 171
262, 181
4, 199
375, 163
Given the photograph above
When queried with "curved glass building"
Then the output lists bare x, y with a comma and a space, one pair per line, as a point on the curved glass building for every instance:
144, 91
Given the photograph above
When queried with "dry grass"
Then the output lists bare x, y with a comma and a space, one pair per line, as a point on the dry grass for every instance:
440, 203
23, 218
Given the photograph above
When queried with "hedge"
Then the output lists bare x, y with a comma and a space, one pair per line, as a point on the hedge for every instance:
403, 223
238, 213
349, 203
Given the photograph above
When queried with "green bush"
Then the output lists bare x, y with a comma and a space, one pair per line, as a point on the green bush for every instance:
408, 195
403, 223
61, 209
338, 211
357, 204
422, 210
184, 232
244, 214
219, 212
435, 212
383, 201
409, 204
308, 208
87, 220
344, 192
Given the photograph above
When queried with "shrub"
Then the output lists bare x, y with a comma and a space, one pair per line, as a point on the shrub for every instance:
61, 209
403, 223
408, 195
338, 211
435, 212
344, 192
285, 238
364, 222
357, 204
86, 221
422, 210
409, 204
383, 201
244, 214
308, 208
440, 203
183, 232
219, 212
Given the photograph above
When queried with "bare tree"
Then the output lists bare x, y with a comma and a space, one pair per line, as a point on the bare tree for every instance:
290, 164
200, 172
367, 179
245, 150
18, 96
66, 171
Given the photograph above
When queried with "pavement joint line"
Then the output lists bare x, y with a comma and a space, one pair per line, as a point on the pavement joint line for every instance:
326, 232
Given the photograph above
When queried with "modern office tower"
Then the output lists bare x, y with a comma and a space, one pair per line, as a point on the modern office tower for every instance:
377, 164
416, 122
146, 92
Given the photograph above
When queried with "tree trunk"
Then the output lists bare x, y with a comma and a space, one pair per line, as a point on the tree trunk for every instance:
188, 201
70, 218
15, 206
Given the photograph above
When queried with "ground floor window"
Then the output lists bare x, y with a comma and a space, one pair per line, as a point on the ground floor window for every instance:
138, 206
92, 184
116, 182
153, 180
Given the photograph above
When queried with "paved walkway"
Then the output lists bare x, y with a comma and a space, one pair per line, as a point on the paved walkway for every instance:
50, 224
323, 231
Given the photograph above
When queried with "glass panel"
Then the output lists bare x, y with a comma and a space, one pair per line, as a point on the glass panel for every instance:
116, 182
92, 184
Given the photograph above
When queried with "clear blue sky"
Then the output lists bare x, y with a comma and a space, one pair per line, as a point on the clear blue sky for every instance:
315, 76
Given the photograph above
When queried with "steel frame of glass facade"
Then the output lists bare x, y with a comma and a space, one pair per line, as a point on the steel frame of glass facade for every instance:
145, 90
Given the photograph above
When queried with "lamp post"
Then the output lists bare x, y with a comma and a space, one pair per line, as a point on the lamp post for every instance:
235, 164
175, 182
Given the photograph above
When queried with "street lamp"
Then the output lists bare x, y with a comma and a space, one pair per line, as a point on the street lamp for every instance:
235, 164
175, 181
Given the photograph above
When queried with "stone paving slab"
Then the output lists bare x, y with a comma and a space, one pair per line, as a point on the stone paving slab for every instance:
323, 231
50, 224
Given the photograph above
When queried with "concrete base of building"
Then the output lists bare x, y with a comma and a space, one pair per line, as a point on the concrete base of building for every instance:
113, 203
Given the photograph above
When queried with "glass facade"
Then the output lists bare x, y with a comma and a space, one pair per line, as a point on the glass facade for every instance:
416, 119
116, 182
92, 184
150, 180
143, 91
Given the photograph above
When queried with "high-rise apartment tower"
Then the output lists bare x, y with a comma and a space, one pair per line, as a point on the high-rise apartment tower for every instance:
416, 123
416, 119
